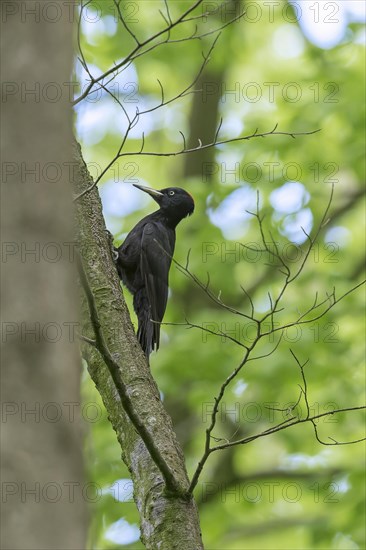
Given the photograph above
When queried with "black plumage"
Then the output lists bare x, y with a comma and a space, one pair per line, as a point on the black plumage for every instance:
144, 260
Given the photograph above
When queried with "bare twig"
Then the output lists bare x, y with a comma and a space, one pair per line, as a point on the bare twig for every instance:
132, 34
187, 89
201, 146
203, 328
185, 151
87, 340
295, 422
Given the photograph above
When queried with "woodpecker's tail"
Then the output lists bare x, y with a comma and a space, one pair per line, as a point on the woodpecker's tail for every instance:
148, 332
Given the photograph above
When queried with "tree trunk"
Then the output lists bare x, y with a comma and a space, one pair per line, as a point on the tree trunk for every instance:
42, 480
169, 520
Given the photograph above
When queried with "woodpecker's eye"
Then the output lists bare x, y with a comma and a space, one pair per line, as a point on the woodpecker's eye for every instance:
171, 193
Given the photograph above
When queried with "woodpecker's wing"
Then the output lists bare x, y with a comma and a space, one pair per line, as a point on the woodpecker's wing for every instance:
157, 247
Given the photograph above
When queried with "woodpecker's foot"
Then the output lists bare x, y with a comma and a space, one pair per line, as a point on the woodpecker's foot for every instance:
112, 248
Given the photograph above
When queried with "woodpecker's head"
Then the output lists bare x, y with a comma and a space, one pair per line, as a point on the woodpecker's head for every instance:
173, 201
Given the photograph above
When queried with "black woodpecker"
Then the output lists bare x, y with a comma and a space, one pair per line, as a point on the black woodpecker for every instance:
144, 260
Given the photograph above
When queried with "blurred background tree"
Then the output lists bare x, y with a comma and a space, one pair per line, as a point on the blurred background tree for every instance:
299, 65
42, 464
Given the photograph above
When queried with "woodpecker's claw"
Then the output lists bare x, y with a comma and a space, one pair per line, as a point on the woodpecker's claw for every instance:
113, 249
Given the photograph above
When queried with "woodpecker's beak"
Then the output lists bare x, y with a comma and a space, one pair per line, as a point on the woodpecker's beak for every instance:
156, 195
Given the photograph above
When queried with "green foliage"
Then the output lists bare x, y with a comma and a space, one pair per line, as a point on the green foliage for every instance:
286, 490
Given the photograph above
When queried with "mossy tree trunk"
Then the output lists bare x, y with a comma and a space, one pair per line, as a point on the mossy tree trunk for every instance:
169, 519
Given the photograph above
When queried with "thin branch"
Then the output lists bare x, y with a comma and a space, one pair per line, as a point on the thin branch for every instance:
164, 17
184, 150
313, 239
187, 89
142, 142
217, 400
82, 60
127, 28
110, 164
271, 352
288, 410
87, 340
220, 333
218, 130
317, 317
184, 139
117, 100
250, 301
304, 388
205, 287
162, 92
287, 424
334, 442
222, 142
168, 11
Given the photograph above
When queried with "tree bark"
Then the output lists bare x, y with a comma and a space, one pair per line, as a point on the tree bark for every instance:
169, 520
42, 479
